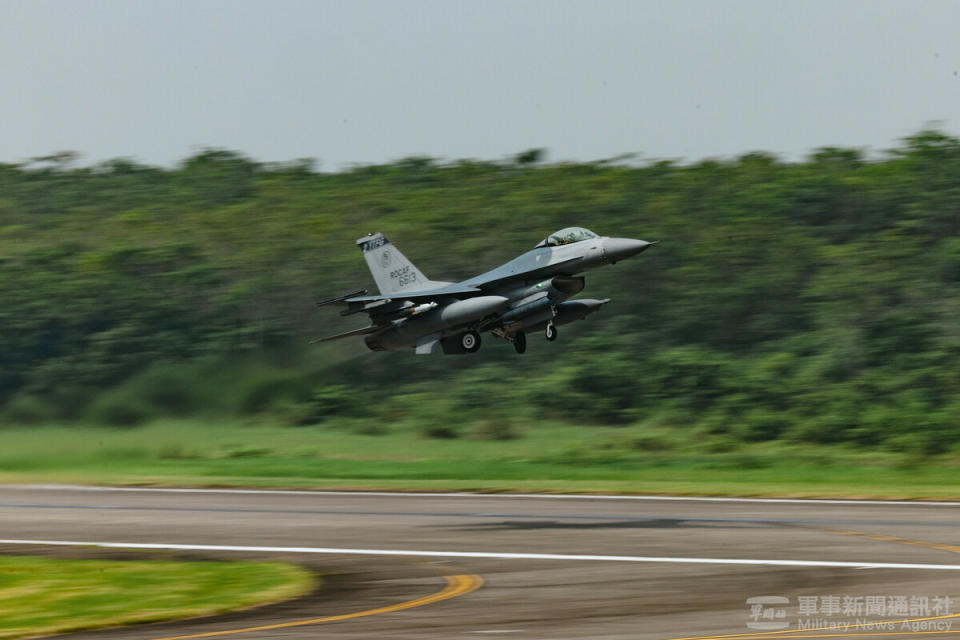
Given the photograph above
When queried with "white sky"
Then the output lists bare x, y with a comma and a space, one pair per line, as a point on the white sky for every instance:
361, 81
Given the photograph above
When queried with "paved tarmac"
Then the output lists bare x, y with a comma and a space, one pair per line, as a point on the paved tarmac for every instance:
468, 566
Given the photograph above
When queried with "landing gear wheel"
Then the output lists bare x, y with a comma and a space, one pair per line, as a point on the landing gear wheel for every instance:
470, 341
551, 332
520, 342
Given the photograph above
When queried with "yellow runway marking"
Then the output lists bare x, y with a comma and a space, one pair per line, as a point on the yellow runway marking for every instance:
952, 548
456, 586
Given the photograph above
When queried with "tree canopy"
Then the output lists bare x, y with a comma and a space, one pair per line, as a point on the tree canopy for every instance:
816, 300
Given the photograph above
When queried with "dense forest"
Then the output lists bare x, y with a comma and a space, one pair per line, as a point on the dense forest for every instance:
817, 301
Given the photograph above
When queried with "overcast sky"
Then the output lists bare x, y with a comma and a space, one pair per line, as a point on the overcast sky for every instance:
372, 81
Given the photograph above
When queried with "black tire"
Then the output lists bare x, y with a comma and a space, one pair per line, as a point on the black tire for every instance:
520, 342
470, 341
550, 332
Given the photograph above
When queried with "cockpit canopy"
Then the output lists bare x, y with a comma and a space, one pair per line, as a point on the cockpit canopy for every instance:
567, 236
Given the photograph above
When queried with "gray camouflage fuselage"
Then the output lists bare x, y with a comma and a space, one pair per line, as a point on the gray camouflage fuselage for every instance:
528, 293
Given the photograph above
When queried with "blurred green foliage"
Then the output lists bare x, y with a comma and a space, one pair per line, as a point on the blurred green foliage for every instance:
814, 301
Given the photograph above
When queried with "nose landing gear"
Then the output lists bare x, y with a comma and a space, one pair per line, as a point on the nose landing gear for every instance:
550, 332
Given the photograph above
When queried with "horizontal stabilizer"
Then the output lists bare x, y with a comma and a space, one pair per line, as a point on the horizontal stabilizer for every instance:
343, 298
355, 332
451, 290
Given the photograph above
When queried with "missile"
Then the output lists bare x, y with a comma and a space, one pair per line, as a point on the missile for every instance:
573, 310
420, 308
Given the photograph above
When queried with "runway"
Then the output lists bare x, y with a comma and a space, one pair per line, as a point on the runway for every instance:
464, 565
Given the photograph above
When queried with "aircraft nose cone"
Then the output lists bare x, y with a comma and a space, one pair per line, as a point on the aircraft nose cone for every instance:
619, 248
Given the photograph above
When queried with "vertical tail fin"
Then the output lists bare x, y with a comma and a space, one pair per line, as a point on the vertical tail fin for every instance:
391, 270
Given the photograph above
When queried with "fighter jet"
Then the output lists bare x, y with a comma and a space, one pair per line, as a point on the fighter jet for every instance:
529, 293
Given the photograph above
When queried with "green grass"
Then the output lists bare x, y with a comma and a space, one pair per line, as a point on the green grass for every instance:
549, 457
43, 596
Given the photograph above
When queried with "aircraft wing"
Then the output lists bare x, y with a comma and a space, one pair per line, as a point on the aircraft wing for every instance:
468, 288
509, 272
384, 309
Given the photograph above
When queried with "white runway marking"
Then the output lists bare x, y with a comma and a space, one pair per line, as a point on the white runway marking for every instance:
461, 494
482, 554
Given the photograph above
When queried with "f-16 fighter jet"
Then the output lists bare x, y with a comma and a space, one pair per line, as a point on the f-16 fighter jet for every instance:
529, 293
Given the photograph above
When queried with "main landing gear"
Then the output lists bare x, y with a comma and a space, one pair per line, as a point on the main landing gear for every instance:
520, 342
550, 332
519, 338
470, 341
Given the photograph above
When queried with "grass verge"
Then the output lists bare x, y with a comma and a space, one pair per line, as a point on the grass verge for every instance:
43, 596
550, 457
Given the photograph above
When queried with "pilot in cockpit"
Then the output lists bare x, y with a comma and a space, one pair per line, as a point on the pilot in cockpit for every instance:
567, 236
